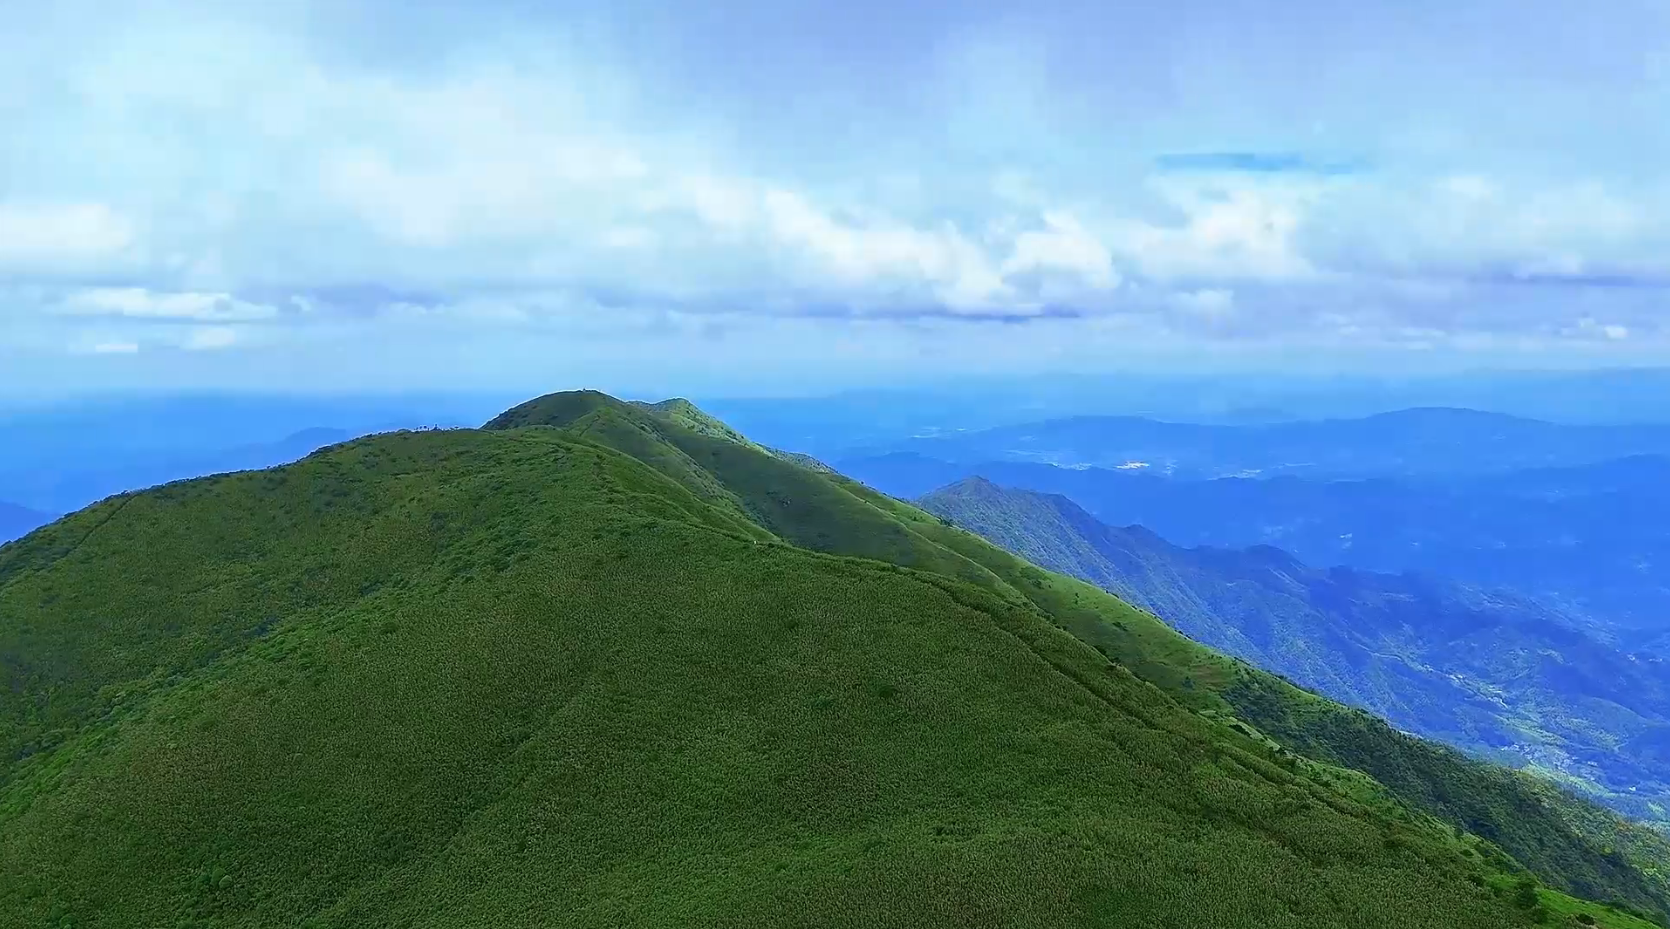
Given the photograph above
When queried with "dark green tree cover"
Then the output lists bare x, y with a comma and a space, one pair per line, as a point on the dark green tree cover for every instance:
520, 677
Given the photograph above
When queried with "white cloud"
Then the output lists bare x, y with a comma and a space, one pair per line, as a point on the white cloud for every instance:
628, 237
1475, 225
720, 203
1589, 327
469, 196
1230, 228
209, 338
486, 154
1064, 244
1017, 189
958, 272
140, 302
1210, 302
1470, 187
36, 237
90, 342
1581, 212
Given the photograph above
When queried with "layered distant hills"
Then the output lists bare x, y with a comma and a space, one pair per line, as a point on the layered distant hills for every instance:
1415, 442
61, 458
605, 664
93, 478
1594, 538
17, 521
1489, 671
834, 426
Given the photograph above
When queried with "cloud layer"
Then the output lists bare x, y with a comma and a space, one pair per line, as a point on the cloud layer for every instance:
304, 179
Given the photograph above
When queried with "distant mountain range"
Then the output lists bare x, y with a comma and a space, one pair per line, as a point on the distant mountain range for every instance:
89, 480
1495, 673
17, 521
832, 426
64, 457
1596, 537
1415, 442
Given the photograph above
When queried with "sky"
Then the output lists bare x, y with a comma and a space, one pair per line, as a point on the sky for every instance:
362, 193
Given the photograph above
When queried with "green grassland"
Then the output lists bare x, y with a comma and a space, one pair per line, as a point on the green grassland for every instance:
605, 665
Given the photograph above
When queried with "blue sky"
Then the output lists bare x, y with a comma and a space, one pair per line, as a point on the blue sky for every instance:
353, 193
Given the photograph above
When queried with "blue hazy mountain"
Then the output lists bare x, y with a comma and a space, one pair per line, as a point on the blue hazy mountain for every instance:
1492, 672
61, 458
834, 426
1594, 536
18, 521
1414, 442
93, 478
204, 422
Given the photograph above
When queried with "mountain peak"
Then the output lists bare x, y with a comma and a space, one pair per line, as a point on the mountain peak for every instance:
555, 409
674, 405
973, 487
692, 417
565, 408
973, 482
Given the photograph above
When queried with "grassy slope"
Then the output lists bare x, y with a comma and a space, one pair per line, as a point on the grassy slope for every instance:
1572, 842
520, 678
1569, 843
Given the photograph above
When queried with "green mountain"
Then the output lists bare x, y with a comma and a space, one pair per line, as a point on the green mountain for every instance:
592, 665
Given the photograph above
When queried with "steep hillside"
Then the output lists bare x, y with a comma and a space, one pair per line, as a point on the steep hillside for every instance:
519, 677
